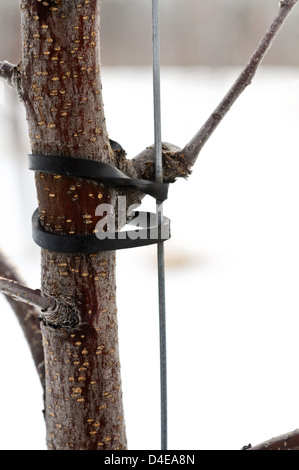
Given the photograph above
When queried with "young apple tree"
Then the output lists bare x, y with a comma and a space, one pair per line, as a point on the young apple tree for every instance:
71, 322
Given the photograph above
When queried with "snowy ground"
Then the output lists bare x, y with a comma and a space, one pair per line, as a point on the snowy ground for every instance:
232, 267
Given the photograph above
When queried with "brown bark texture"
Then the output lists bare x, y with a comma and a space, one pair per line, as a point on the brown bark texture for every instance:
288, 441
62, 95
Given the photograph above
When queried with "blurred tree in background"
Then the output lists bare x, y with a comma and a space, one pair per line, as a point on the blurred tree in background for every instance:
193, 32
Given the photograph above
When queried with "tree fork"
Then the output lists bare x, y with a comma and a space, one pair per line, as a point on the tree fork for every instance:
62, 95
179, 162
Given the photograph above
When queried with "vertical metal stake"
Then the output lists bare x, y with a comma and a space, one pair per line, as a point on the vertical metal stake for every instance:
160, 251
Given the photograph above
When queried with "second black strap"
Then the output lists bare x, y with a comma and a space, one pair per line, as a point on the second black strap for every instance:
147, 231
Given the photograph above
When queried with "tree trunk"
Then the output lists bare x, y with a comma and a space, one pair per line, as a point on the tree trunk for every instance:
63, 100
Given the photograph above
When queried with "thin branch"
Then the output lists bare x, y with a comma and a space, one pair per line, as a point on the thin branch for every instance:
28, 318
178, 163
289, 441
193, 148
31, 307
56, 312
22, 293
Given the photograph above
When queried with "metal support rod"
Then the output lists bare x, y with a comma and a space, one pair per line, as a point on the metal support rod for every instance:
160, 247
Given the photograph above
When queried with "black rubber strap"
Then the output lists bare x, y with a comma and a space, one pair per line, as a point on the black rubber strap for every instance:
148, 232
97, 171
115, 145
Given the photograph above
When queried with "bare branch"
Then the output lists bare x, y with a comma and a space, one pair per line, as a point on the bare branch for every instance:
56, 312
28, 318
12, 75
22, 293
289, 441
178, 163
193, 148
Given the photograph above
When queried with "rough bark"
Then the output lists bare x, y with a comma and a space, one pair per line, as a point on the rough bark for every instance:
63, 100
289, 441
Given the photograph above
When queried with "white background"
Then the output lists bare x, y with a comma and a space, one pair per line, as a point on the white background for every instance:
232, 266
